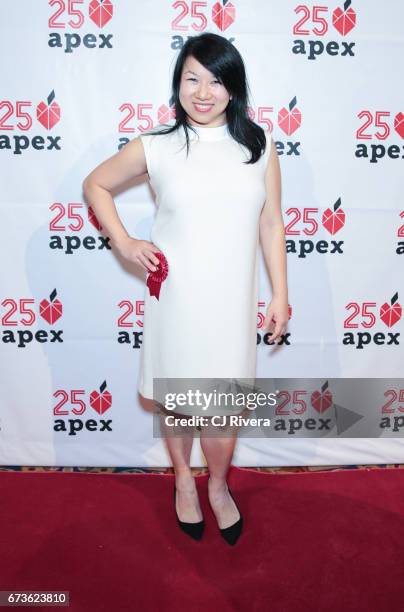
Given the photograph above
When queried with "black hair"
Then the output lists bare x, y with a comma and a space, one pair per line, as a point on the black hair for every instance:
224, 61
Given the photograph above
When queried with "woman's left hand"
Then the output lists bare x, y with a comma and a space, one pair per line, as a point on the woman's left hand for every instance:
276, 318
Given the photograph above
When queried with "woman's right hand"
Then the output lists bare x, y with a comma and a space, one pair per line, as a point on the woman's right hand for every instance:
140, 252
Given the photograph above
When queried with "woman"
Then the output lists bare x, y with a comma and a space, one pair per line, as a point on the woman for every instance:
217, 179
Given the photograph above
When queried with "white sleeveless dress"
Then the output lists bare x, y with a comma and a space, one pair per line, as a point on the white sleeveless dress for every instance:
204, 324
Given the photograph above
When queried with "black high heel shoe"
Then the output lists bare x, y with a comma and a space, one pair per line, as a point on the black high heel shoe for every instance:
195, 530
231, 534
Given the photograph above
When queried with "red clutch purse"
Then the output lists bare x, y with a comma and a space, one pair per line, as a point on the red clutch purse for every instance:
156, 277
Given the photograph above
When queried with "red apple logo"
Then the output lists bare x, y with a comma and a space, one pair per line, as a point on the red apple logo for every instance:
165, 113
344, 20
391, 313
399, 124
93, 219
100, 12
334, 219
322, 401
223, 16
101, 401
51, 310
48, 114
289, 119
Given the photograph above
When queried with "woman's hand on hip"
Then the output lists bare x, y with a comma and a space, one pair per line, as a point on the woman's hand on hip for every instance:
140, 252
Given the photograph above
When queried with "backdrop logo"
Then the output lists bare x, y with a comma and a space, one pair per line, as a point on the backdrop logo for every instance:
400, 234
69, 16
377, 127
22, 314
68, 226
142, 117
289, 120
17, 116
305, 222
131, 320
315, 22
76, 404
368, 325
223, 14
265, 338
392, 417
193, 17
321, 400
301, 411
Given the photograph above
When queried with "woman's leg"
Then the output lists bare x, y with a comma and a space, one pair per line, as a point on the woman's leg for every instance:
218, 453
179, 440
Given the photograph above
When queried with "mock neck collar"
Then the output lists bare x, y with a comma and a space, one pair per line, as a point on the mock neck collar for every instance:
209, 133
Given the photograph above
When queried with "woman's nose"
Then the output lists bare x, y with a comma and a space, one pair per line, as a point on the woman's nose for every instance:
203, 91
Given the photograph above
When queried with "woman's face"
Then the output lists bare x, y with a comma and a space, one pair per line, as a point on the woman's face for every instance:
202, 96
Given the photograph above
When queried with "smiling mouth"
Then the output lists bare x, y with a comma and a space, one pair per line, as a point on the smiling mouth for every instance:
203, 108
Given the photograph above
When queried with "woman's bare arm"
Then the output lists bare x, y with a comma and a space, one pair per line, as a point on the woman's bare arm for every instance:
272, 237
128, 163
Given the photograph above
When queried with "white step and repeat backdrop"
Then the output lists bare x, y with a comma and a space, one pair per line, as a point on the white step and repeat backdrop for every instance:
81, 78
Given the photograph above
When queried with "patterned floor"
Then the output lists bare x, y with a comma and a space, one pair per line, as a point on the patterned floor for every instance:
195, 471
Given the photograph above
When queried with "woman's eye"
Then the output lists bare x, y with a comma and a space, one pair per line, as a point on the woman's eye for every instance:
193, 79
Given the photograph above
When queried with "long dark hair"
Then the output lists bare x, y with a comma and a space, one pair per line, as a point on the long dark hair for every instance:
223, 60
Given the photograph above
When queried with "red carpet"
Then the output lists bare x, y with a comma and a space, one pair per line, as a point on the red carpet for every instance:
326, 541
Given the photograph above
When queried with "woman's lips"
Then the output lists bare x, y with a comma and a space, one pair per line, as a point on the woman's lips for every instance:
201, 108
